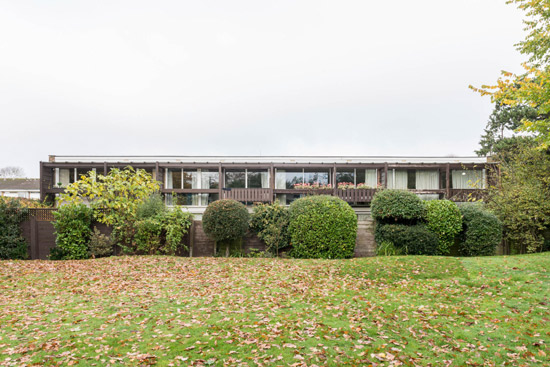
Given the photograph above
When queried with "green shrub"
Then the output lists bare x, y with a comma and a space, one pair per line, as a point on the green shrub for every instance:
409, 240
226, 222
100, 244
481, 231
151, 207
163, 233
397, 206
322, 227
72, 229
445, 220
12, 244
270, 223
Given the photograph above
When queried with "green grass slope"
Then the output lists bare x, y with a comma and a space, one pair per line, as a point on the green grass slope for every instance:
170, 311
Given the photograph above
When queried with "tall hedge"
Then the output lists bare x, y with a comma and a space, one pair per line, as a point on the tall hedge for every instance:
226, 222
481, 231
322, 227
12, 243
397, 206
73, 228
445, 220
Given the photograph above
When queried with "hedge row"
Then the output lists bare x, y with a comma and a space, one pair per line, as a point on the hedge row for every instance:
433, 227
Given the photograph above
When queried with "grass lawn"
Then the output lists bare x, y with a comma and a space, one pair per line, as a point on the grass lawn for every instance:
170, 311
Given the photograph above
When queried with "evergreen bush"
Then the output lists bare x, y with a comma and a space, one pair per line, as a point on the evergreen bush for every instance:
445, 220
12, 244
397, 206
322, 227
270, 223
408, 239
72, 229
226, 222
481, 231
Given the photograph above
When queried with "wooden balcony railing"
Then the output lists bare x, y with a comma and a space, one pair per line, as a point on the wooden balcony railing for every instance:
249, 195
356, 195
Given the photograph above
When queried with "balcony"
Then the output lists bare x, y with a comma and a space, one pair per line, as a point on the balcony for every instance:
249, 195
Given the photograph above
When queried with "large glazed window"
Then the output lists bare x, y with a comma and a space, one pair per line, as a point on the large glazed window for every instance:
468, 179
427, 180
235, 178
247, 178
286, 179
317, 177
257, 179
210, 179
173, 179
398, 179
358, 176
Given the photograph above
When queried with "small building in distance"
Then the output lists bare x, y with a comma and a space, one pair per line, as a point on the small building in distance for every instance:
26, 188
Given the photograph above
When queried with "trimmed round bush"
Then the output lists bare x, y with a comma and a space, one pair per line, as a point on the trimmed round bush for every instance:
409, 240
397, 206
323, 227
481, 231
445, 220
225, 220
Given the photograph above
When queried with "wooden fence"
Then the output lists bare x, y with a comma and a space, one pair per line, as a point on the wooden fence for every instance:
37, 229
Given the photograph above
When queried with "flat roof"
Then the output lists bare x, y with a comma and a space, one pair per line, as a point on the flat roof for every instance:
263, 159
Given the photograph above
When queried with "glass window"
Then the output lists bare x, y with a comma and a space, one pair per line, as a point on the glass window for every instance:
191, 179
210, 178
397, 179
427, 179
345, 176
173, 179
66, 177
257, 179
468, 179
191, 199
235, 178
317, 177
286, 179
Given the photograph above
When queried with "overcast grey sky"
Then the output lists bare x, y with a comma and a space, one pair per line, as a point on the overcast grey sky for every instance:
248, 77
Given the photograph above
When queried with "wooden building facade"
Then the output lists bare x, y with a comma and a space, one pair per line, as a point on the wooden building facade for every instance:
195, 181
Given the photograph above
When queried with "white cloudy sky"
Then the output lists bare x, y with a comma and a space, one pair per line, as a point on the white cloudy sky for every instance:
248, 77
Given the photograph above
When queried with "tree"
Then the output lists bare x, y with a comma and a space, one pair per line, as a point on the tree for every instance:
115, 198
501, 131
521, 198
12, 172
532, 88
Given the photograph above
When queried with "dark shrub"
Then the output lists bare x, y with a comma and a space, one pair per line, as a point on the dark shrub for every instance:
226, 222
100, 244
12, 244
270, 223
322, 227
481, 231
409, 240
72, 229
445, 220
397, 206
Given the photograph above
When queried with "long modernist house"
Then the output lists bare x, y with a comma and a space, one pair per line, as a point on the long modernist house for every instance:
196, 181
